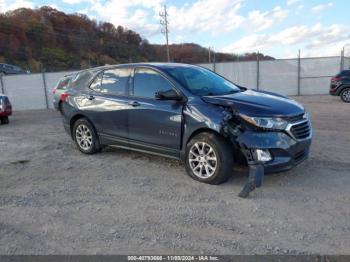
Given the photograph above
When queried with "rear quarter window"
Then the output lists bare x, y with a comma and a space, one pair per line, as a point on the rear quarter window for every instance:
112, 81
82, 79
63, 83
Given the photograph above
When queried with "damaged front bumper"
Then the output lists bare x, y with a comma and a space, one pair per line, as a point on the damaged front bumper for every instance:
285, 151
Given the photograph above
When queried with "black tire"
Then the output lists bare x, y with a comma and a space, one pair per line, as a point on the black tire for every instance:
60, 107
224, 155
5, 120
95, 146
345, 95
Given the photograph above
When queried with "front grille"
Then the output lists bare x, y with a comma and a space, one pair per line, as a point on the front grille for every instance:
301, 130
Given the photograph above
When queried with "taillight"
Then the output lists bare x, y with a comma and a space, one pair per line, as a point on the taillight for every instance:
54, 91
64, 96
335, 78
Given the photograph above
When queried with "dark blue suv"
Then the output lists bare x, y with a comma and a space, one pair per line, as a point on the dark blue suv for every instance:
185, 112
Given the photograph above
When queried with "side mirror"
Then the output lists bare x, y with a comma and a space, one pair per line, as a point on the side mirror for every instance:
168, 95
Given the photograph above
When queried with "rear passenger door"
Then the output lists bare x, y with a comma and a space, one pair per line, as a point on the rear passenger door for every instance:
109, 103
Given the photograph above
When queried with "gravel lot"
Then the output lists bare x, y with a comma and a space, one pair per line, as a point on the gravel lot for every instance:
55, 200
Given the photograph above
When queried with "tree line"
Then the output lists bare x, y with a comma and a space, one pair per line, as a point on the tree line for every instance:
46, 38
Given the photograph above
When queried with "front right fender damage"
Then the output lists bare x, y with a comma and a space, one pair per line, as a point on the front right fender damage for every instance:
235, 130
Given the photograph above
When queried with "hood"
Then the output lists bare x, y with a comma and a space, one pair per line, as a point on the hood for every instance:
255, 103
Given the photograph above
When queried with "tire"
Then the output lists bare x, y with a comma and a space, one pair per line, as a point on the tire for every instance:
60, 107
198, 167
5, 120
345, 95
85, 137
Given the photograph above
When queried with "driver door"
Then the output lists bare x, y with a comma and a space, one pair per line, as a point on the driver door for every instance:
153, 124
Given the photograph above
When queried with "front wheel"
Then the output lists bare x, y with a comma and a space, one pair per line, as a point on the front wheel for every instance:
85, 137
209, 158
345, 95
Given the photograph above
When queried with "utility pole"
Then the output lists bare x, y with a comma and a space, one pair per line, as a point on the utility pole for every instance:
164, 22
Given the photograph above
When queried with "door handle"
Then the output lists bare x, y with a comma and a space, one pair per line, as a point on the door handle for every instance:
91, 97
134, 103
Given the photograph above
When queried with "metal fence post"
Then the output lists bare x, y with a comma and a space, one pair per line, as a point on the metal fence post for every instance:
299, 65
2, 85
214, 62
45, 89
257, 71
342, 59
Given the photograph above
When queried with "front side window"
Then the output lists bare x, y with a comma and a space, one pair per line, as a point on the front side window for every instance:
202, 82
147, 82
113, 81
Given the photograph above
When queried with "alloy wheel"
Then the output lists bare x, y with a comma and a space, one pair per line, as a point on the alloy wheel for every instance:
346, 95
202, 160
83, 136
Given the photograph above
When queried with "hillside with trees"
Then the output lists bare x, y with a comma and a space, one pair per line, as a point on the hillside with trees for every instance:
47, 38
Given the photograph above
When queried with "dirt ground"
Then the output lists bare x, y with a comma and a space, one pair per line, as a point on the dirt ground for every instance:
55, 200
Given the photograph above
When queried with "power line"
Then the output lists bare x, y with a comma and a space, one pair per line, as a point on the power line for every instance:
164, 22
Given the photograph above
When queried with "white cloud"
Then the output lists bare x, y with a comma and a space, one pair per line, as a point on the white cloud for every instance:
292, 2
73, 2
217, 16
6, 5
133, 14
321, 7
313, 40
206, 16
259, 21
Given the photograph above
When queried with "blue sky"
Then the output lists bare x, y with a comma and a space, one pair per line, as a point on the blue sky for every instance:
278, 28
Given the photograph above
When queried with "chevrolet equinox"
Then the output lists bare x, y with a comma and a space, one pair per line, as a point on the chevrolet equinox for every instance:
185, 112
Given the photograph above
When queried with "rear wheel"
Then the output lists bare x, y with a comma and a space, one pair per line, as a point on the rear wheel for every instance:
60, 107
345, 95
5, 120
209, 158
85, 137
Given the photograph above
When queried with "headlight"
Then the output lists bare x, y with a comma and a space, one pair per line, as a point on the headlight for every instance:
266, 122
306, 115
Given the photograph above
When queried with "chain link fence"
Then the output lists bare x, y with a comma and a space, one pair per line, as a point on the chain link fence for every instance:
300, 76
30, 91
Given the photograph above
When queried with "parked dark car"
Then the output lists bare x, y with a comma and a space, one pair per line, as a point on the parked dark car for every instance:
59, 89
5, 109
6, 69
185, 112
340, 85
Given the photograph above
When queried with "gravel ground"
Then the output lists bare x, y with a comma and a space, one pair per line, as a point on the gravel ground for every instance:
55, 200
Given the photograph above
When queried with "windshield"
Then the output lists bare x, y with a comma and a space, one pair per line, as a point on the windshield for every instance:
202, 82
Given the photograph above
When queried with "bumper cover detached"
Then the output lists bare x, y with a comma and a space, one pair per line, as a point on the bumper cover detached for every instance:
286, 151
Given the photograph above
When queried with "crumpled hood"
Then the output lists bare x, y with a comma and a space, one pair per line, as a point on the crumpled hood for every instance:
256, 103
